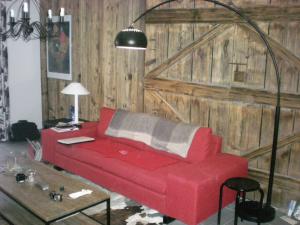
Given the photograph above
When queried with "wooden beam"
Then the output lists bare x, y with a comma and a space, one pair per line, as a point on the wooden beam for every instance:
221, 93
283, 182
266, 149
222, 15
211, 34
278, 49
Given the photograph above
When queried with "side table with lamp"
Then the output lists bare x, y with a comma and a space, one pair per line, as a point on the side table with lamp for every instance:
75, 89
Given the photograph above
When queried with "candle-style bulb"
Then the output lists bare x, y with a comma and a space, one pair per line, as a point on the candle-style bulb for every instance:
62, 12
12, 13
25, 7
50, 14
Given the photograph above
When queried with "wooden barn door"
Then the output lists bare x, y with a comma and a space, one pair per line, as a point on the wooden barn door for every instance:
203, 66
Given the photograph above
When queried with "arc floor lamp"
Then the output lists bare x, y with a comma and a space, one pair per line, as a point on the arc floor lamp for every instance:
132, 38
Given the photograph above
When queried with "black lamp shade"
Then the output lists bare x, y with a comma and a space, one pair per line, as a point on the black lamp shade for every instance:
131, 38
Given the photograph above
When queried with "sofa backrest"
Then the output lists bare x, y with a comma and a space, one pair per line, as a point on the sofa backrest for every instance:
204, 143
106, 115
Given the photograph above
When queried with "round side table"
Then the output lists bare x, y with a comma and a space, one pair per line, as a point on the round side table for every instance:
241, 185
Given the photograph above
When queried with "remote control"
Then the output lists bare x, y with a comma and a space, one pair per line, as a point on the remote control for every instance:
42, 186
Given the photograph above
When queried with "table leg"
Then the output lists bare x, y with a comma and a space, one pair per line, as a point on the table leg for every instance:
108, 211
236, 205
243, 199
260, 202
220, 203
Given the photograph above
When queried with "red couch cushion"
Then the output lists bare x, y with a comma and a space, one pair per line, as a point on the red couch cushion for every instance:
106, 115
146, 160
145, 168
202, 145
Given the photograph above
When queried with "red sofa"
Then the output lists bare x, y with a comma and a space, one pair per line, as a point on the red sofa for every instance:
183, 188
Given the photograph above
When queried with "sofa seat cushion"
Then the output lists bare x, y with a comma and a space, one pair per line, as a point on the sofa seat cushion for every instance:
70, 150
148, 179
147, 160
146, 168
102, 146
151, 179
155, 180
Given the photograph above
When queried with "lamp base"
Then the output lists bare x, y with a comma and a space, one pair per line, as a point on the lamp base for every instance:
251, 211
267, 214
76, 123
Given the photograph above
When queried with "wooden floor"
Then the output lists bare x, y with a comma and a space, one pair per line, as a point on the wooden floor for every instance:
227, 213
3, 222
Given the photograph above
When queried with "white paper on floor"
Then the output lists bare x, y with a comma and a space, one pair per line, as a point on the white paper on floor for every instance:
289, 220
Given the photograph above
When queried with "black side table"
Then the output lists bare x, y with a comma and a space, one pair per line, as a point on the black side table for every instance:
241, 185
52, 123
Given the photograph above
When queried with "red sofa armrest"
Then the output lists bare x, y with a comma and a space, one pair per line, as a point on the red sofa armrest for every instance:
193, 190
50, 137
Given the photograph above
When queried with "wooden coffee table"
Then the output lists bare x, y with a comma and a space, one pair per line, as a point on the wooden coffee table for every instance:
28, 199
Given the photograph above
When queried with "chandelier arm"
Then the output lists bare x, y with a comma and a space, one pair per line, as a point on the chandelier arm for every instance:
40, 30
19, 25
17, 29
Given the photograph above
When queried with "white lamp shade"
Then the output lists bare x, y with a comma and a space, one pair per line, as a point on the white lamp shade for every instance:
75, 88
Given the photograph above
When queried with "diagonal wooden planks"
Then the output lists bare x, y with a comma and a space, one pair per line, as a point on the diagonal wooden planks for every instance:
277, 47
283, 182
211, 34
267, 149
158, 96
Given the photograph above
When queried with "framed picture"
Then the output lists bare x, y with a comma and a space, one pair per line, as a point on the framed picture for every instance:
59, 50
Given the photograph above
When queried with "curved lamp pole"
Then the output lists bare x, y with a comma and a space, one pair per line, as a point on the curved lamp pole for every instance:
132, 38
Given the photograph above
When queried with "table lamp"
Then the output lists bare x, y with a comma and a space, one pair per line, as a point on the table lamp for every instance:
75, 89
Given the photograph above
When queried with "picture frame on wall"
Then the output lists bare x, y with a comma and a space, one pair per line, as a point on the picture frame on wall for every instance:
59, 50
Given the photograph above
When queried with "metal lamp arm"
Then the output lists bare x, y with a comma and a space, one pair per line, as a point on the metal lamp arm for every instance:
270, 51
277, 110
261, 34
244, 17
149, 10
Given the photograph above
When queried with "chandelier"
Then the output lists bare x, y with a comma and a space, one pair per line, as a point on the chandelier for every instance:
19, 24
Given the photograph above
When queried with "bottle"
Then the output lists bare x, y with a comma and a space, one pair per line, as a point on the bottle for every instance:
72, 113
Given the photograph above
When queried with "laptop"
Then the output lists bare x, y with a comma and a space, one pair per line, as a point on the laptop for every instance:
75, 140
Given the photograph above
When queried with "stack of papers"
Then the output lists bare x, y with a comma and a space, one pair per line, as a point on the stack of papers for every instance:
80, 193
65, 129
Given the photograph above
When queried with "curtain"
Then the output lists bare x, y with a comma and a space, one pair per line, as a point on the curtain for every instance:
4, 94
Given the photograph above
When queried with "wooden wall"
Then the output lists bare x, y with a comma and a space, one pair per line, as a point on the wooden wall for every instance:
114, 77
213, 72
204, 66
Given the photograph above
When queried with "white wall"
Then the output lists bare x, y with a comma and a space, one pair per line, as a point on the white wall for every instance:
24, 72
